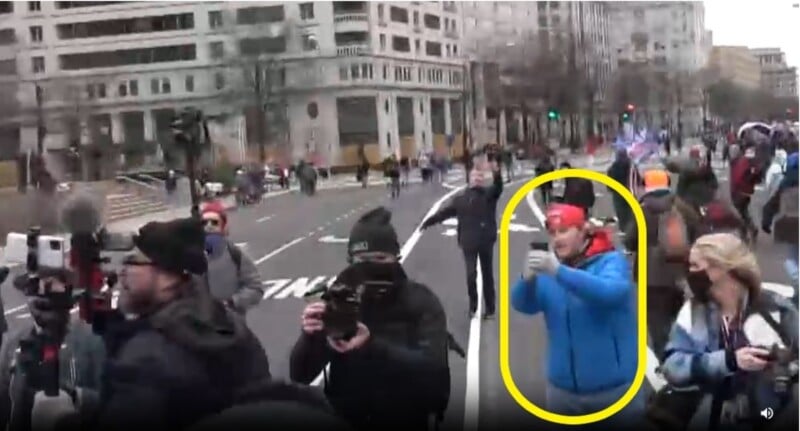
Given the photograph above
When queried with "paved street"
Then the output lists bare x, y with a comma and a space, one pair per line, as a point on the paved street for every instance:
299, 241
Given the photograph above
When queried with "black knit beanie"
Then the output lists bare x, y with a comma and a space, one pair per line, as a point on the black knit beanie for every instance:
177, 246
374, 232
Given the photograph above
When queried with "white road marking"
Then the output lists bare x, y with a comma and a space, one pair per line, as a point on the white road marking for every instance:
450, 232
15, 309
405, 250
278, 250
241, 244
472, 396
332, 239
263, 219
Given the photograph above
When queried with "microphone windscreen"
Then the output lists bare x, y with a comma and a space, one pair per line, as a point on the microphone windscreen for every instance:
81, 213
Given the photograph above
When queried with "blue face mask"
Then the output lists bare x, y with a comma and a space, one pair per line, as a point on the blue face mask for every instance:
213, 242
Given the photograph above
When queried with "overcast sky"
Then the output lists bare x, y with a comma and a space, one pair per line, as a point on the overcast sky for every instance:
763, 24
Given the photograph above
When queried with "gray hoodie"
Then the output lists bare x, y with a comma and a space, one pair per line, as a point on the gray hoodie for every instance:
243, 286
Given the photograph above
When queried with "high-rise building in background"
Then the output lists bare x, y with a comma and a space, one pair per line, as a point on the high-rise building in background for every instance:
777, 77
667, 39
737, 65
512, 36
333, 76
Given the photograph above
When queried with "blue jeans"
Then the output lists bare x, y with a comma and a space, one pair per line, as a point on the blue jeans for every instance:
569, 403
790, 265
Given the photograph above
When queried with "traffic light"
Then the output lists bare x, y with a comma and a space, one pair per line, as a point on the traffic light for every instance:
628, 112
185, 130
552, 114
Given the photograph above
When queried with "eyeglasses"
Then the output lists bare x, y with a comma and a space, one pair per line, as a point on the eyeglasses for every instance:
136, 261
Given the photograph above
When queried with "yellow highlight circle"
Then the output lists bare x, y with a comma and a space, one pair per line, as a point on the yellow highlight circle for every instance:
505, 366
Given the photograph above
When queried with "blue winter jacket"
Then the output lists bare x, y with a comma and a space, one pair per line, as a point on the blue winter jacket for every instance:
591, 322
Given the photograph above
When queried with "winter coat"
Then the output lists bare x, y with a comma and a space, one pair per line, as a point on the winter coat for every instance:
241, 284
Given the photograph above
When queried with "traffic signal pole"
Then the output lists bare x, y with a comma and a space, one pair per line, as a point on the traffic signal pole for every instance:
186, 132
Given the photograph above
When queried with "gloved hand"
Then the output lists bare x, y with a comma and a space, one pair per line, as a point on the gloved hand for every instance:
767, 229
541, 262
47, 411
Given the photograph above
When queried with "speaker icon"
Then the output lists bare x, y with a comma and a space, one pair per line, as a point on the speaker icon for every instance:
767, 413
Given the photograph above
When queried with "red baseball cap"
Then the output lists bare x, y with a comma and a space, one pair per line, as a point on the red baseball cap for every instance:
561, 216
216, 207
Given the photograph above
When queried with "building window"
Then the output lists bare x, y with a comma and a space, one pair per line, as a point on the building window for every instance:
155, 86
389, 140
166, 86
401, 44
36, 33
312, 110
309, 42
259, 15
89, 91
343, 73
217, 50
422, 111
386, 105
433, 49
127, 57
366, 71
34, 6
416, 18
101, 91
382, 39
122, 90
354, 71
37, 64
432, 22
398, 14
219, 80
542, 20
215, 19
189, 83
306, 11
133, 87
385, 72
417, 45
380, 12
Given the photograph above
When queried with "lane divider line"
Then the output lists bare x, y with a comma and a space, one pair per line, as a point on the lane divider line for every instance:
279, 250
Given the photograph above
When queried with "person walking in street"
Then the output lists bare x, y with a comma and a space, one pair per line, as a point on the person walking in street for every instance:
392, 171
578, 192
620, 170
545, 166
476, 212
232, 276
745, 174
583, 287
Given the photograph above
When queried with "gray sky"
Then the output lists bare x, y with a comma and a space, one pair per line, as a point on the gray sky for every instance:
762, 24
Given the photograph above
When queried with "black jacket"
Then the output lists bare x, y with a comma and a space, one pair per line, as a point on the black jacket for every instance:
544, 167
578, 192
400, 377
168, 370
476, 211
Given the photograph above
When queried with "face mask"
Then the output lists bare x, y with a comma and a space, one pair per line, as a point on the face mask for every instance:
699, 284
213, 242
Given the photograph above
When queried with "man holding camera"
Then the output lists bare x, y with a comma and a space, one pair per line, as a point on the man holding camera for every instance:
584, 288
476, 211
175, 356
390, 371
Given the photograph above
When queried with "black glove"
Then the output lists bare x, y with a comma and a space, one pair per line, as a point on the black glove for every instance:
767, 229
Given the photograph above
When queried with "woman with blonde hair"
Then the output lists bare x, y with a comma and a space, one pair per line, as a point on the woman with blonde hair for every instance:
732, 339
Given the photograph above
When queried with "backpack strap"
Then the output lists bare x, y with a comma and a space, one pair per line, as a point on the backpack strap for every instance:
236, 255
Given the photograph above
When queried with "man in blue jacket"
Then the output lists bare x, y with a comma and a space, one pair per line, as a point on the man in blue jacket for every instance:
585, 291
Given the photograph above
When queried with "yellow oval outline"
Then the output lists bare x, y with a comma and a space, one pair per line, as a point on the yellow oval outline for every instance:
505, 366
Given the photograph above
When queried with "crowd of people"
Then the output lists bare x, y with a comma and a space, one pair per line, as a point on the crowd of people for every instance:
177, 353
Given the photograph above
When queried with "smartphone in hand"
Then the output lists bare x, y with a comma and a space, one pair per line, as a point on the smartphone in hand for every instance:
540, 246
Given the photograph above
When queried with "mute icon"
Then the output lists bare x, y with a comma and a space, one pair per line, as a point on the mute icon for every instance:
767, 413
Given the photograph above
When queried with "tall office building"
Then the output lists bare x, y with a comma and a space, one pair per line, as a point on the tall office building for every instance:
777, 77
333, 75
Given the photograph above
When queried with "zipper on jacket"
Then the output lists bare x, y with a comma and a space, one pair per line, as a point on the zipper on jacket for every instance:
616, 351
571, 354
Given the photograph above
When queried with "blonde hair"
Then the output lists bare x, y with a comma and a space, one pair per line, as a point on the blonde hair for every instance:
728, 252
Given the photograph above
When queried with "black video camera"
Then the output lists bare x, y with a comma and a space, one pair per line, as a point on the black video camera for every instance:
783, 367
342, 308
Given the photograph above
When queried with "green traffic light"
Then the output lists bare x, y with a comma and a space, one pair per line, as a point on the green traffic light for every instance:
625, 116
552, 115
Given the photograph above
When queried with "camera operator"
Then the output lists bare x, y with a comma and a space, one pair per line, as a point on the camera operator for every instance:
80, 358
176, 355
392, 373
232, 276
734, 341
585, 291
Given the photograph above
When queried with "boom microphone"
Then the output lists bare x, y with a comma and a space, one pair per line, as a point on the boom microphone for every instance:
81, 213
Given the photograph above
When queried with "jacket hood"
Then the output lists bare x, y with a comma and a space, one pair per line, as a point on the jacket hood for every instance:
600, 243
198, 323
